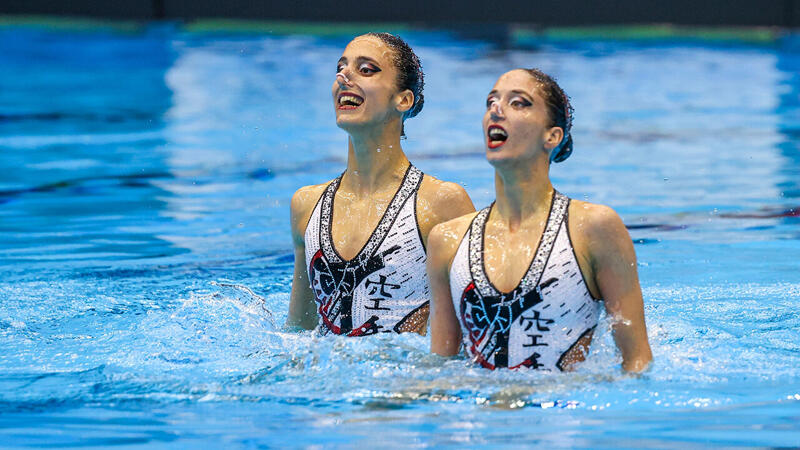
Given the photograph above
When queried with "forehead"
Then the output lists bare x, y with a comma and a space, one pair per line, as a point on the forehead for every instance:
370, 47
518, 80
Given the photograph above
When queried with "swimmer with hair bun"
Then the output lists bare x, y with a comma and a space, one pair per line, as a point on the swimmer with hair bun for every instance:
359, 240
520, 282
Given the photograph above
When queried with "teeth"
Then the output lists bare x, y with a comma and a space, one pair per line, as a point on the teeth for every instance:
497, 134
350, 99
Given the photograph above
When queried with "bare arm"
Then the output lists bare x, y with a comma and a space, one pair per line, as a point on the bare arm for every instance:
442, 246
302, 309
614, 266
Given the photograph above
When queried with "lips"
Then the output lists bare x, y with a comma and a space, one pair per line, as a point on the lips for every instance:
496, 135
348, 101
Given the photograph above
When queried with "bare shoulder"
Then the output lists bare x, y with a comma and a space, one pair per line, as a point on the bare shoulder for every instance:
303, 202
598, 235
440, 191
453, 230
445, 238
306, 197
445, 200
595, 221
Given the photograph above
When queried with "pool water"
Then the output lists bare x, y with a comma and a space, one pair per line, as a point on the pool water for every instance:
145, 256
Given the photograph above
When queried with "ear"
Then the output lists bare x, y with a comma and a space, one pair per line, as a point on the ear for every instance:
553, 137
404, 100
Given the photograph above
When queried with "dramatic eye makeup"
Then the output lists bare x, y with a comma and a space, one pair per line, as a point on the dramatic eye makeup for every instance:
520, 99
520, 102
368, 68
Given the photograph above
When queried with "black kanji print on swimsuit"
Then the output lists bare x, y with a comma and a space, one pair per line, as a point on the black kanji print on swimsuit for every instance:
383, 288
489, 320
536, 324
336, 281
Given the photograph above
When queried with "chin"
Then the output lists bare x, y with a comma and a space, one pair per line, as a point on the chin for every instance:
494, 156
499, 158
348, 123
358, 122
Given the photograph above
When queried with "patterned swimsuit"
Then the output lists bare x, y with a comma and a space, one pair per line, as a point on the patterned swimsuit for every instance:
384, 288
540, 321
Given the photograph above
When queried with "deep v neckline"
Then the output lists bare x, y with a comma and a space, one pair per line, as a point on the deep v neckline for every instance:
409, 184
477, 265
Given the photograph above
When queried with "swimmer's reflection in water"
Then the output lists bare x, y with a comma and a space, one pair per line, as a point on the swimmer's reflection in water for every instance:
359, 240
540, 314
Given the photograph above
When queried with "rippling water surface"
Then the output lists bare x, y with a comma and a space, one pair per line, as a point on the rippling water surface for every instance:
145, 257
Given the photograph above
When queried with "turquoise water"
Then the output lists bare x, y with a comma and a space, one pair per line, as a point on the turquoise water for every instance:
145, 258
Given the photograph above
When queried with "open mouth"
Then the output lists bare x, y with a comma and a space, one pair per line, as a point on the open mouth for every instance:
497, 136
348, 100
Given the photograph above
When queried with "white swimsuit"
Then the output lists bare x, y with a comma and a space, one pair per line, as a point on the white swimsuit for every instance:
538, 322
384, 288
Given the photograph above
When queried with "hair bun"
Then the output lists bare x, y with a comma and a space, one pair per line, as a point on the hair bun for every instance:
419, 100
563, 151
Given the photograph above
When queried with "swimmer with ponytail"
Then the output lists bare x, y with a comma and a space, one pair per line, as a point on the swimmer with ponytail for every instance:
359, 239
520, 283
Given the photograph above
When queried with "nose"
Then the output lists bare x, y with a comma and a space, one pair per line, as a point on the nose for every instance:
341, 78
496, 111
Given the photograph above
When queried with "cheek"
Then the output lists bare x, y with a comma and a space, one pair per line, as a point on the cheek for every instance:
379, 91
528, 135
526, 125
486, 118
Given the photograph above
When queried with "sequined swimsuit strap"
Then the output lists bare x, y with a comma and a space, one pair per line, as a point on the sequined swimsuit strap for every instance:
475, 253
558, 211
325, 218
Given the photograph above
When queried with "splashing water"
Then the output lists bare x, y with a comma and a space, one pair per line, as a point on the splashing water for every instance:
146, 257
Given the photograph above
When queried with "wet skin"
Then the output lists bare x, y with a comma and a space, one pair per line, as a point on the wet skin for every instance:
369, 107
601, 242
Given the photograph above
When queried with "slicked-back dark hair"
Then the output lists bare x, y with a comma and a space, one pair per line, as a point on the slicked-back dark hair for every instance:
409, 70
558, 108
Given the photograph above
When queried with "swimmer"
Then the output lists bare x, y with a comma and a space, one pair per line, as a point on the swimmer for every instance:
520, 282
359, 240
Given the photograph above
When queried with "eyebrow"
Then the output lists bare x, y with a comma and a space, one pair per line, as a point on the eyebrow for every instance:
515, 91
361, 59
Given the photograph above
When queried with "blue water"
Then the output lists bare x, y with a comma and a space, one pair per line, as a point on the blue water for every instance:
145, 257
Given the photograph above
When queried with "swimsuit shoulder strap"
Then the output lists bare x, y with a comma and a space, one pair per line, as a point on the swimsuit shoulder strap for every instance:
409, 186
476, 269
326, 216
558, 211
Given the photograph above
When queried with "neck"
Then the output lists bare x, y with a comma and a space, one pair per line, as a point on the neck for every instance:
523, 191
372, 160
